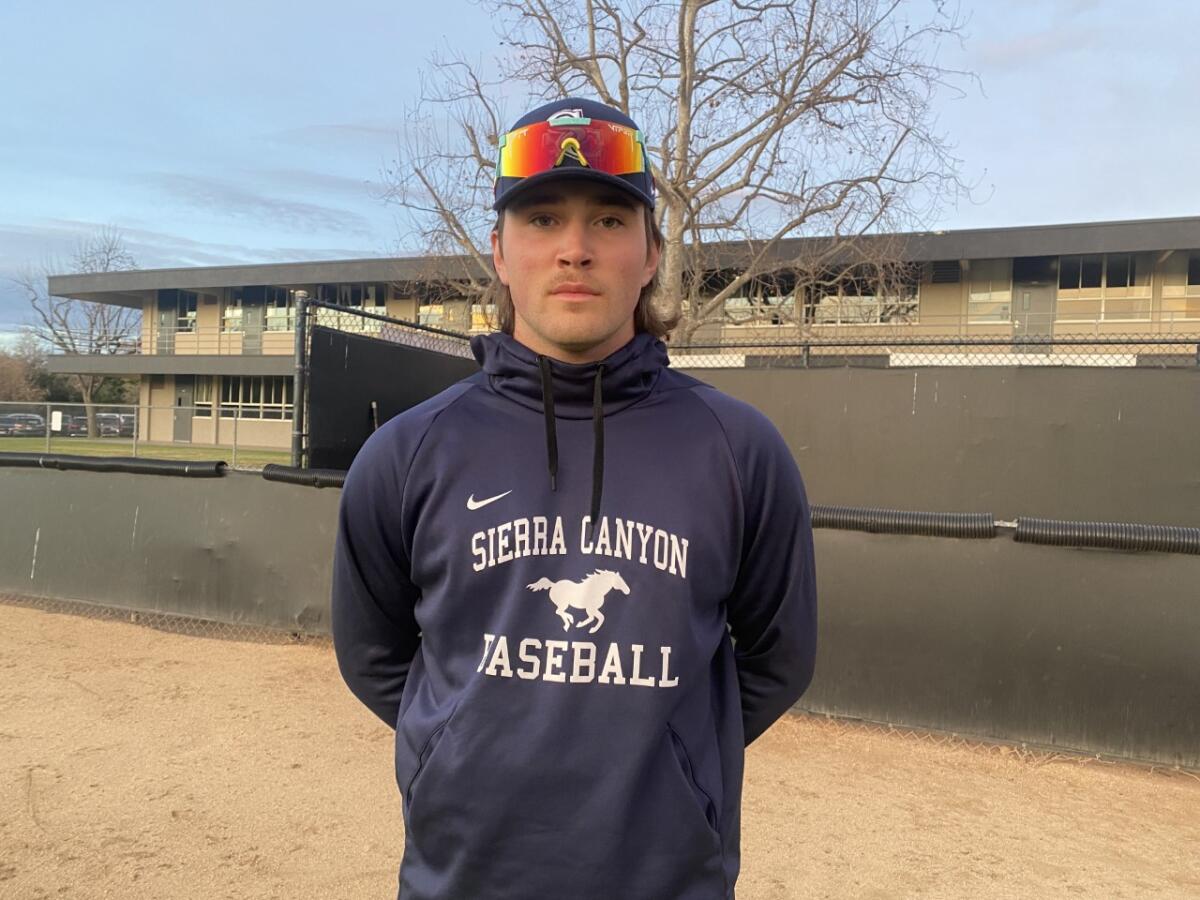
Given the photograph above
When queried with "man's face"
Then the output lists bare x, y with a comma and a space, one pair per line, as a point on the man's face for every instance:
574, 256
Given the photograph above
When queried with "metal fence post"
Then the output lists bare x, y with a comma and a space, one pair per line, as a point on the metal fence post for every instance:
47, 420
237, 414
299, 380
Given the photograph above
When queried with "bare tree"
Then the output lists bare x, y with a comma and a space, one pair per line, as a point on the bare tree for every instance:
773, 119
79, 326
15, 383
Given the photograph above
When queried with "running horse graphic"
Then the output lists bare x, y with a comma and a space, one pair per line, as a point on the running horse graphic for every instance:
586, 595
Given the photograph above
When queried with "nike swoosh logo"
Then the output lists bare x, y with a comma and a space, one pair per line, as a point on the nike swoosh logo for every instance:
472, 503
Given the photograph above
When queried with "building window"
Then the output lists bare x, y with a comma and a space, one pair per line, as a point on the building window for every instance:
231, 315
456, 314
281, 309
1113, 286
366, 297
769, 301
864, 297
187, 311
758, 310
483, 316
1120, 269
990, 296
432, 314
256, 397
202, 396
256, 307
1193, 275
369, 296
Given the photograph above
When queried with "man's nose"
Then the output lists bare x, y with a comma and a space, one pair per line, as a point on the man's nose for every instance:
575, 248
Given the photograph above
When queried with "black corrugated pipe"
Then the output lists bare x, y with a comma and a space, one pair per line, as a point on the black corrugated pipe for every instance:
312, 477
65, 462
1109, 535
904, 521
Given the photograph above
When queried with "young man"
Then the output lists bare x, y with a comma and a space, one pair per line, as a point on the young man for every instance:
578, 583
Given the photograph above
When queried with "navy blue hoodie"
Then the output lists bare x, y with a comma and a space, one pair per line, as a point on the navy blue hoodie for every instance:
577, 592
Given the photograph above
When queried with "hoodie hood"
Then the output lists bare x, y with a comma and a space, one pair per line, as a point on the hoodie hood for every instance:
514, 371
572, 390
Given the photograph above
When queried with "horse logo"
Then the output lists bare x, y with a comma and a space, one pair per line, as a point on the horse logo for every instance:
586, 595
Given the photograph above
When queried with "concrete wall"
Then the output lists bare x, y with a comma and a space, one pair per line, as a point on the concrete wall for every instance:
942, 303
273, 434
1088, 650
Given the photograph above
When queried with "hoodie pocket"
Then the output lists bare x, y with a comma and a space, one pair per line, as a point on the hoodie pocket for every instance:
703, 801
428, 749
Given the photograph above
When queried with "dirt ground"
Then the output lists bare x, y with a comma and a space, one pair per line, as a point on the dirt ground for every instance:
136, 763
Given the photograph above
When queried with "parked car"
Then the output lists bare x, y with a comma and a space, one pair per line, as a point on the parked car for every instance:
110, 425
23, 425
107, 425
75, 426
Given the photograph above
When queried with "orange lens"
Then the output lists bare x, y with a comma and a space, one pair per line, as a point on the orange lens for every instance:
604, 146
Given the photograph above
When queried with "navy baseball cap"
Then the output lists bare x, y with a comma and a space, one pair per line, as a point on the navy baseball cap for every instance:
573, 138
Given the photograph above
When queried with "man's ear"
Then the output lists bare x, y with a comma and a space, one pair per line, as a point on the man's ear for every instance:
653, 254
498, 259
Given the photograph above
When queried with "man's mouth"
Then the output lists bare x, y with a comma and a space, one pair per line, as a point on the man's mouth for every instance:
574, 290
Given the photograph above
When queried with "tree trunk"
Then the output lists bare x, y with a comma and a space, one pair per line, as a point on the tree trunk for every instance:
87, 387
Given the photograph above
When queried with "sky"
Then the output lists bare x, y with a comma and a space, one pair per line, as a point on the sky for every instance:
230, 132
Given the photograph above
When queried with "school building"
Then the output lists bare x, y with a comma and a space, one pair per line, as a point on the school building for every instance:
218, 342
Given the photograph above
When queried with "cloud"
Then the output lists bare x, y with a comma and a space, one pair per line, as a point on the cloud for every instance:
1039, 47
227, 198
309, 181
347, 132
26, 244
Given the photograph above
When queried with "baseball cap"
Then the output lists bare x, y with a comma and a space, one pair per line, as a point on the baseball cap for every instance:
573, 138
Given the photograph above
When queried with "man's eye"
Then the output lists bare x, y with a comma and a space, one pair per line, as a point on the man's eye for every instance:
541, 220
611, 222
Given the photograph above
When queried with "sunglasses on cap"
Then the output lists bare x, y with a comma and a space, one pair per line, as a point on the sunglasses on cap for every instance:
591, 143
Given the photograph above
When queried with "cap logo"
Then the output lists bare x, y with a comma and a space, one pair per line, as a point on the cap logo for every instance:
568, 117
570, 150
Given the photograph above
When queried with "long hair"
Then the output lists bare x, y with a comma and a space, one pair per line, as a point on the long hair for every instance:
646, 316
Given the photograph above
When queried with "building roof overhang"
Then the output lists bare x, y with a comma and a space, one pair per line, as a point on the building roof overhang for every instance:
134, 288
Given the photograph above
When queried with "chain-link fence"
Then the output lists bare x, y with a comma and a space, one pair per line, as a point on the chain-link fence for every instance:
246, 435
174, 623
398, 331
931, 342
900, 351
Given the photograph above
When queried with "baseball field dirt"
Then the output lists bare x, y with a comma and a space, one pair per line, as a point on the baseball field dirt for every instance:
137, 763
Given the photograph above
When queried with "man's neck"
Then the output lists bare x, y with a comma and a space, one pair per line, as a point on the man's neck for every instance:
573, 355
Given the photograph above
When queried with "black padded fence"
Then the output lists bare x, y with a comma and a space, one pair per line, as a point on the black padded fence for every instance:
357, 381
1089, 650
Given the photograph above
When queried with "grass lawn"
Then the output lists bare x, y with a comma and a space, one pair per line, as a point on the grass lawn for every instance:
247, 458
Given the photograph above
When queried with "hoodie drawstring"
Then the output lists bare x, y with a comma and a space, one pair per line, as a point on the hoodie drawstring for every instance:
597, 446
597, 433
548, 411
